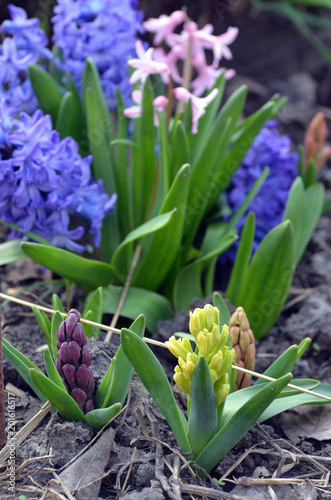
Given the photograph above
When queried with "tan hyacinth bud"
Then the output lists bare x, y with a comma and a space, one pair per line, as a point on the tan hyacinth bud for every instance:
243, 343
314, 141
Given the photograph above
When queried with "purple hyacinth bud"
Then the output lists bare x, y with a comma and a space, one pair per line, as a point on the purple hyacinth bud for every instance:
59, 363
64, 353
89, 405
86, 357
61, 333
79, 396
79, 335
75, 312
70, 323
74, 351
70, 375
85, 380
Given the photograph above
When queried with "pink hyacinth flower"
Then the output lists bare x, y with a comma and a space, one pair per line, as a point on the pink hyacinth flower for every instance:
145, 65
177, 53
159, 103
218, 44
134, 111
207, 75
164, 25
198, 104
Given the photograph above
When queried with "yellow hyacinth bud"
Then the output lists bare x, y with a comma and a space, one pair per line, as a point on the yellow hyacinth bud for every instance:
181, 382
202, 319
179, 347
221, 388
194, 325
187, 366
216, 362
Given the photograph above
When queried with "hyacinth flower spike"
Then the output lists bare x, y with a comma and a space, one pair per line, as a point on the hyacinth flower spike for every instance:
243, 343
211, 344
73, 361
314, 141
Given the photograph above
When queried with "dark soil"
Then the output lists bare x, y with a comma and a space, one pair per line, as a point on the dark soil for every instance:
270, 56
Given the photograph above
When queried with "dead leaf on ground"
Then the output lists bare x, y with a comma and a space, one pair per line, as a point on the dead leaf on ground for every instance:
307, 421
88, 467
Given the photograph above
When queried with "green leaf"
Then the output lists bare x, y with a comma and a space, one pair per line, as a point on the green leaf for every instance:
105, 386
22, 365
295, 208
56, 321
162, 176
57, 304
283, 364
99, 130
303, 383
188, 282
240, 423
206, 122
219, 302
47, 91
156, 382
165, 245
10, 251
286, 361
230, 112
268, 279
202, 422
101, 416
203, 187
122, 257
242, 258
70, 119
43, 322
123, 176
180, 149
236, 401
123, 369
87, 272
155, 307
60, 399
313, 209
280, 405
93, 306
303, 346
51, 370
147, 145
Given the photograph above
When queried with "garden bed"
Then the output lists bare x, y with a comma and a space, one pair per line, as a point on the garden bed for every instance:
137, 456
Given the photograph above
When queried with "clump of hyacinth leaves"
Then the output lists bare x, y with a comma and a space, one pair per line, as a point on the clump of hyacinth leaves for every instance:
218, 416
70, 384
